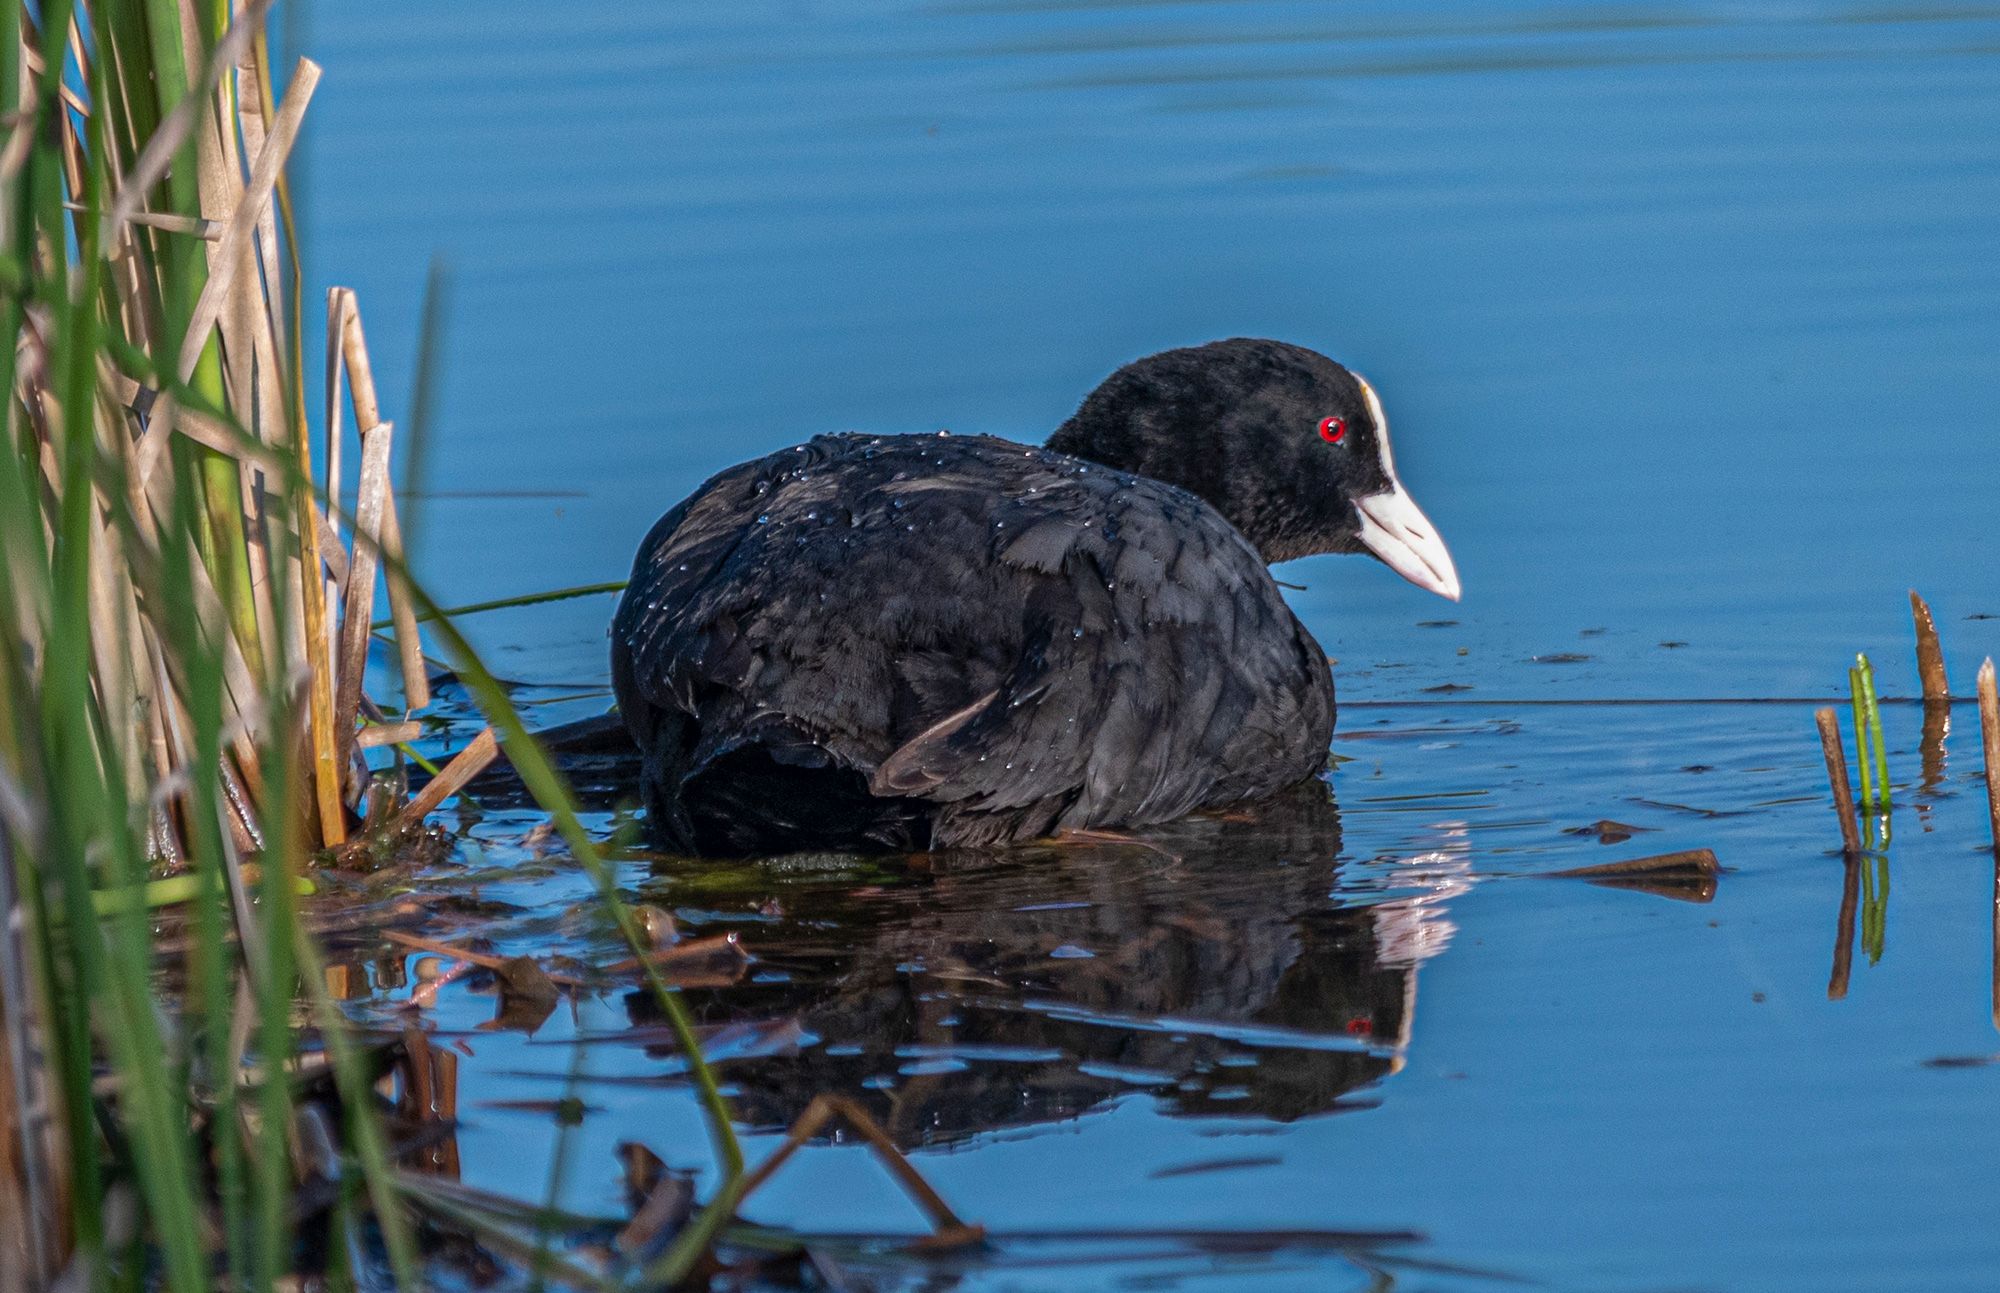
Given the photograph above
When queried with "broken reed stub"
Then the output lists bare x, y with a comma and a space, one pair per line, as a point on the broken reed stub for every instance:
1836, 776
1930, 655
1989, 737
1689, 863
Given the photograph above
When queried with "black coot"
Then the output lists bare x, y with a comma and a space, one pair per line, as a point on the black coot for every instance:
933, 641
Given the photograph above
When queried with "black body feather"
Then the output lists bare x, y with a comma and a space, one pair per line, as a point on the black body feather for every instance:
928, 641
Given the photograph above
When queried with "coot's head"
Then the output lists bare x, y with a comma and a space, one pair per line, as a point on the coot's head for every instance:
1292, 448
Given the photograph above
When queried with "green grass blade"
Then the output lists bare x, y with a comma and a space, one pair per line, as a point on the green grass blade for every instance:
509, 603
1861, 764
1873, 708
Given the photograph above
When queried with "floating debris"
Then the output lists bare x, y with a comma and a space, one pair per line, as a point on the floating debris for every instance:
1216, 1165
1607, 831
1686, 876
1686, 862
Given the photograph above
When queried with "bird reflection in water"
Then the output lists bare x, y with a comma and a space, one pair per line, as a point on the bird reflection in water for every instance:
1209, 965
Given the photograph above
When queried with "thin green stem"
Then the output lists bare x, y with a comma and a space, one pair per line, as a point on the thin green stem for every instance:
1874, 709
1861, 764
508, 603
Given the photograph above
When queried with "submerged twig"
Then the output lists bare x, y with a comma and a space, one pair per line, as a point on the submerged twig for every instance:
947, 1230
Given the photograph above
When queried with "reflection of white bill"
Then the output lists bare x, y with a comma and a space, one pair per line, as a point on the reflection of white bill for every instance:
1413, 929
1410, 931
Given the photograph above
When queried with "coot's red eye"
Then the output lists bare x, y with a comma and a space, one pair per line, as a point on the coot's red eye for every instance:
1332, 430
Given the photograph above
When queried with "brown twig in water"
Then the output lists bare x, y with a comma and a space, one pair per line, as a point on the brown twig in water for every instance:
484, 960
467, 764
1930, 656
1989, 734
701, 962
722, 957
1836, 775
369, 738
1937, 700
1687, 862
948, 1230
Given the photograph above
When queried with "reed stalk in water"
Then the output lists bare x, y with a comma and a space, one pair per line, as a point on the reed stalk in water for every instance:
1989, 735
1836, 775
1870, 760
1930, 653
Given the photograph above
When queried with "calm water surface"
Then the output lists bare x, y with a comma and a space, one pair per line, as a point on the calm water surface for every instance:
1686, 317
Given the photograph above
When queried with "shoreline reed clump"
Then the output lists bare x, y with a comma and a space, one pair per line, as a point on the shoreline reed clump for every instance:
171, 594
184, 634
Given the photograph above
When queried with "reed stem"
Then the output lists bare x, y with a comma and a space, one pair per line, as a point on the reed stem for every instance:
1930, 654
1836, 775
1861, 764
1989, 737
1870, 758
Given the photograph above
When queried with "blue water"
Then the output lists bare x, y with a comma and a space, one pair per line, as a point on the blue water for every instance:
1687, 320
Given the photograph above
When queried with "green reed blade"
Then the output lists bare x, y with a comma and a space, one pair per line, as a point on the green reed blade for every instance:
509, 603
1874, 710
1861, 764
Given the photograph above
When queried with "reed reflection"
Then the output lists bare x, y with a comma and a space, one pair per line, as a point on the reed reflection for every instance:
1864, 891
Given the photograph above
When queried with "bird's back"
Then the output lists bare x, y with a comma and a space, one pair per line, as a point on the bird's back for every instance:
918, 640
